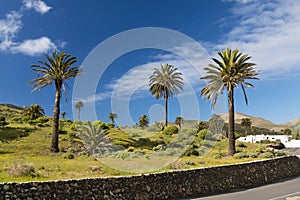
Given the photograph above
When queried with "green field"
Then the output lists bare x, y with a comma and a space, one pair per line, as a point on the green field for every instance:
33, 147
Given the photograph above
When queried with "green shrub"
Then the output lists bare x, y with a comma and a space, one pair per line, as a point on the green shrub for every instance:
16, 119
130, 149
170, 130
110, 125
21, 170
266, 155
241, 155
201, 134
69, 156
26, 118
237, 135
73, 127
68, 121
42, 120
191, 150
253, 155
217, 155
241, 144
280, 153
189, 162
158, 147
2, 118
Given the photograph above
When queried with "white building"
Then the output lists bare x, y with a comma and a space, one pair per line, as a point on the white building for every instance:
284, 139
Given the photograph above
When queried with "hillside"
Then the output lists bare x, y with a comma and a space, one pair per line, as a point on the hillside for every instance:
256, 121
10, 110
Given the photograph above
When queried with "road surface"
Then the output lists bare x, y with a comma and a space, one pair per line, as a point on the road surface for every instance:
289, 189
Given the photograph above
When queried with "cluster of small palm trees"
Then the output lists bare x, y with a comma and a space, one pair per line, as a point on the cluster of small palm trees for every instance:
231, 71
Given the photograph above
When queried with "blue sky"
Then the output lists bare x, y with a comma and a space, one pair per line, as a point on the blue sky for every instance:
267, 30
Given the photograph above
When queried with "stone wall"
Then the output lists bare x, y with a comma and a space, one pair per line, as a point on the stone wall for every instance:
175, 184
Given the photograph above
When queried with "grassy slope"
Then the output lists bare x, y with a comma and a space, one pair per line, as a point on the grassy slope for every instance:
33, 147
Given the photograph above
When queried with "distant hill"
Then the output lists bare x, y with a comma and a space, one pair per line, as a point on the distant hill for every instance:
295, 124
256, 121
10, 110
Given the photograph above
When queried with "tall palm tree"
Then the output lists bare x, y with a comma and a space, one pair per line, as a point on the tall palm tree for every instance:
55, 70
232, 70
165, 82
78, 106
34, 111
179, 121
112, 117
143, 121
246, 122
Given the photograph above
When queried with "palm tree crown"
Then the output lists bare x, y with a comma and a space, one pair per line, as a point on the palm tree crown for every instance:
165, 82
34, 111
179, 121
55, 70
78, 106
112, 117
143, 121
231, 71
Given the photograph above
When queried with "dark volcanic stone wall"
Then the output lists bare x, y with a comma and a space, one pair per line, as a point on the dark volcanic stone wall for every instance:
175, 184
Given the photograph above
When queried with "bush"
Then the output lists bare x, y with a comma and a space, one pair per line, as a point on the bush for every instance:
266, 155
241, 144
26, 118
280, 153
170, 130
69, 156
16, 119
191, 150
130, 149
21, 170
201, 134
2, 118
254, 155
158, 147
217, 156
110, 125
189, 162
241, 155
42, 120
73, 127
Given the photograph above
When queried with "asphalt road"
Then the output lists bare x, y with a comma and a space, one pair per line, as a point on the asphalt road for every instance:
289, 189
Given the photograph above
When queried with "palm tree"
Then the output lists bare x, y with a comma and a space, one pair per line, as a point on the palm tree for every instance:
95, 140
230, 72
55, 70
179, 121
246, 123
201, 126
34, 111
63, 114
112, 117
143, 121
78, 106
165, 82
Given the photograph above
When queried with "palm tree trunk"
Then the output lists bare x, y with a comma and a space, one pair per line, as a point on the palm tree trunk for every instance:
166, 108
54, 142
78, 113
231, 136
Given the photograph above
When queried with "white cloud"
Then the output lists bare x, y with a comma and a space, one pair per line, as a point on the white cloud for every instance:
34, 46
38, 5
268, 31
135, 83
11, 26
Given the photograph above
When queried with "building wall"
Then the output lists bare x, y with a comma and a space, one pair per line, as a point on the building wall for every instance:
175, 184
